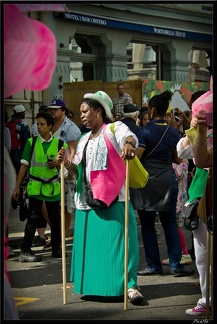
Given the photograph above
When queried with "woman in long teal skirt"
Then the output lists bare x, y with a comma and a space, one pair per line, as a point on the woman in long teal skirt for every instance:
97, 265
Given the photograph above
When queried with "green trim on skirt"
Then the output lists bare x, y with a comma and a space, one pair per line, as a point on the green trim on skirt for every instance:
97, 265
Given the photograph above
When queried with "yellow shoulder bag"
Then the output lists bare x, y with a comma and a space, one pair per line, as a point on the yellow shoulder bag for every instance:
138, 175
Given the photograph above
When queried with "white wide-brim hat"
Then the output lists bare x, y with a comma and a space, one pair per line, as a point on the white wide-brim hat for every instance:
103, 99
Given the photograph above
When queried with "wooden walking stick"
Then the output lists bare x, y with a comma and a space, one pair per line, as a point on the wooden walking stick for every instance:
211, 274
208, 274
63, 233
126, 236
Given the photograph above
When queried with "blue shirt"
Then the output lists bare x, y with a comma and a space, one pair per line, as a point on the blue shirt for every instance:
150, 135
69, 132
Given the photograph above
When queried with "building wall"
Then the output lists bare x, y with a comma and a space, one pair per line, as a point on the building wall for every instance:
103, 33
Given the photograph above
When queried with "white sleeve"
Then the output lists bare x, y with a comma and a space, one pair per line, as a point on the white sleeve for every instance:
184, 153
121, 132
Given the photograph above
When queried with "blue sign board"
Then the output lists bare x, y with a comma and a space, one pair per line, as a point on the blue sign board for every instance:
175, 33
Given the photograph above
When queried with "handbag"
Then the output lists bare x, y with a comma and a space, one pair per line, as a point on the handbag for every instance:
189, 214
24, 201
96, 204
138, 175
204, 209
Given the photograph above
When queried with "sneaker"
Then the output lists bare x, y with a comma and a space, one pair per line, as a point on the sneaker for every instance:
57, 253
186, 259
148, 272
10, 252
29, 257
39, 241
47, 247
182, 272
196, 311
134, 296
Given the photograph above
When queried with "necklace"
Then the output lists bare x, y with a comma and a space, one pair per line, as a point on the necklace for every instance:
95, 134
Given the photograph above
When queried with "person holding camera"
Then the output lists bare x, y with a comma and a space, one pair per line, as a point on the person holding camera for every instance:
43, 185
182, 118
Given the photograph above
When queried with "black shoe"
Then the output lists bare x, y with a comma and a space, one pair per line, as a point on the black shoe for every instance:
148, 272
29, 257
39, 241
191, 252
57, 253
182, 272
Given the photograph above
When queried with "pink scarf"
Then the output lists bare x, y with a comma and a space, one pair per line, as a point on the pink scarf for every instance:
106, 184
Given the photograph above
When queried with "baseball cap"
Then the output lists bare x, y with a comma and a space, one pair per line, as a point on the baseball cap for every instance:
57, 103
19, 109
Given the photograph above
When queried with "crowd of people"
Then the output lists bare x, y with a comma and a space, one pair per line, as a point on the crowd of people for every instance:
156, 140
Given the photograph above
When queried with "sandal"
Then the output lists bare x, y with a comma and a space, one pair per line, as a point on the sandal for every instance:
134, 296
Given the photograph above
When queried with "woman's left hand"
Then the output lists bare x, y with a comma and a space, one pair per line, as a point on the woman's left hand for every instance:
128, 152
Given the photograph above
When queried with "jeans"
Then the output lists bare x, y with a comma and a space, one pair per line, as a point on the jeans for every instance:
35, 206
169, 224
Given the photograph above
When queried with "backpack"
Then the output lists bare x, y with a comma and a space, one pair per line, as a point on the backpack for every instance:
15, 137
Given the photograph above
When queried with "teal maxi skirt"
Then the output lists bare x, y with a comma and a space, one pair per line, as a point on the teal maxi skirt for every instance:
97, 264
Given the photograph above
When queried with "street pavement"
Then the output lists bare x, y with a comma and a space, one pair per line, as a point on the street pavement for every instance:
39, 295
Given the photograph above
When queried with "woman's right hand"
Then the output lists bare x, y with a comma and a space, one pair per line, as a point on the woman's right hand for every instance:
16, 194
62, 156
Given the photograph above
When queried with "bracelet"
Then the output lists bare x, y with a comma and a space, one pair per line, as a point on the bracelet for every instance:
131, 143
199, 143
67, 165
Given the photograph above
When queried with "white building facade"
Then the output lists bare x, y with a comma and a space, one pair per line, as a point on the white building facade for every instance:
117, 42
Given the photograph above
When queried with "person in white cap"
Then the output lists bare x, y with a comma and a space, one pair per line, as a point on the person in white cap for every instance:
131, 113
20, 132
97, 266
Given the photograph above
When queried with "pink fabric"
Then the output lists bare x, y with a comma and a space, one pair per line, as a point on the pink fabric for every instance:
106, 184
29, 52
205, 103
182, 241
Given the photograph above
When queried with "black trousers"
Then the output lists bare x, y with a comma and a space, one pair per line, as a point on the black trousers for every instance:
15, 203
35, 207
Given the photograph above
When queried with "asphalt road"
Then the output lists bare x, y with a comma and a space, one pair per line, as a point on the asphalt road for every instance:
38, 290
